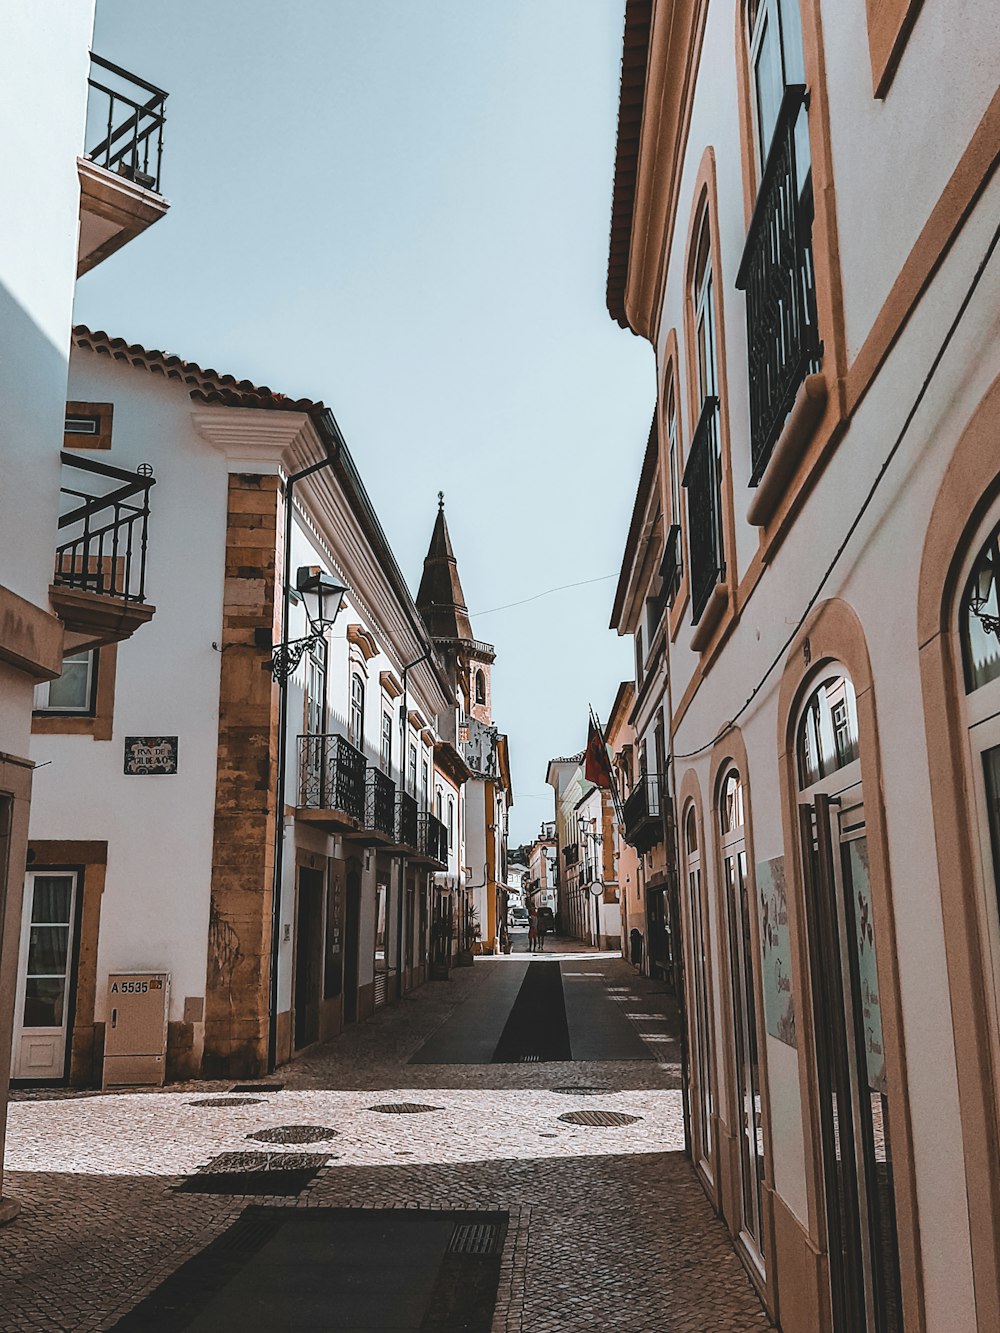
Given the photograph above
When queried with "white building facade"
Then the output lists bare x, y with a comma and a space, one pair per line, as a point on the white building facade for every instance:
804, 229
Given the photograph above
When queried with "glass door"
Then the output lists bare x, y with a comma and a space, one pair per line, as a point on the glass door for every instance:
44, 1001
850, 1054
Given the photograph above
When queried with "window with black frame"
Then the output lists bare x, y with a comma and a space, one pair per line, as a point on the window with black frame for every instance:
776, 270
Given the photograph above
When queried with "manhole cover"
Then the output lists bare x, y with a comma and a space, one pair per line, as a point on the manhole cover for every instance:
403, 1108
255, 1173
257, 1087
226, 1101
476, 1238
583, 1091
294, 1134
599, 1118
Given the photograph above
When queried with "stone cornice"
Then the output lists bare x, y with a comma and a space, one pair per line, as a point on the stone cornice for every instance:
255, 439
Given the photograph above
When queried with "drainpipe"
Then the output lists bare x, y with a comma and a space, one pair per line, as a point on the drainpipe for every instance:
327, 427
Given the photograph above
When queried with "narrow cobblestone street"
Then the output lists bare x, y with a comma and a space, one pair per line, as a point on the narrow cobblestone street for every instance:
608, 1228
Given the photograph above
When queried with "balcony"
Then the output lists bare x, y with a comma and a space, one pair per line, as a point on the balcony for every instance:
776, 273
671, 564
331, 783
643, 818
379, 824
405, 823
120, 170
432, 841
702, 482
572, 853
99, 585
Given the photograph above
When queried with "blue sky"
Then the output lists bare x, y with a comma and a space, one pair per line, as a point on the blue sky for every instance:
402, 208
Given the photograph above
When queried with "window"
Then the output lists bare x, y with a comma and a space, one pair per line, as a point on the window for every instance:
480, 686
425, 780
88, 426
978, 617
640, 659
72, 692
828, 734
387, 743
703, 475
776, 271
451, 822
357, 712
672, 567
316, 689
411, 781
439, 806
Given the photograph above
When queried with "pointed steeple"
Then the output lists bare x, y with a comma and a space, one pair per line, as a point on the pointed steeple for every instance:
440, 599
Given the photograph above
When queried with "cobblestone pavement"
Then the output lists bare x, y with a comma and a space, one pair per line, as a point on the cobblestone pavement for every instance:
609, 1229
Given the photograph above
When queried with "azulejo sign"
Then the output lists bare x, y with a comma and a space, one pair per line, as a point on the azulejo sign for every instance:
147, 755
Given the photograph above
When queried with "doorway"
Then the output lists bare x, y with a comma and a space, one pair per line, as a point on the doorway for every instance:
43, 1012
352, 943
308, 957
847, 1018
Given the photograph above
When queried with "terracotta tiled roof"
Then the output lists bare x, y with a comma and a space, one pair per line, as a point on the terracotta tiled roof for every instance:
205, 385
635, 50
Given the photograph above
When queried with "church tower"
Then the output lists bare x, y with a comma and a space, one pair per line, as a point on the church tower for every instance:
441, 603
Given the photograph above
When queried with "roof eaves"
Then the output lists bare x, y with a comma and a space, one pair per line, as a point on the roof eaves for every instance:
635, 54
646, 475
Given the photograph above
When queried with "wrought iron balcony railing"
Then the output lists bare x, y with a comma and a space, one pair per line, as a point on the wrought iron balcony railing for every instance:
331, 776
776, 273
572, 853
432, 838
406, 820
703, 484
128, 113
642, 812
380, 803
104, 532
671, 564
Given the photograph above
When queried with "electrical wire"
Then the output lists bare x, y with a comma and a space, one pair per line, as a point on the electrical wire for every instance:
953, 326
548, 593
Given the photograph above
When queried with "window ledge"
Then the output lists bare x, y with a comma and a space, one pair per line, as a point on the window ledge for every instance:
710, 618
810, 402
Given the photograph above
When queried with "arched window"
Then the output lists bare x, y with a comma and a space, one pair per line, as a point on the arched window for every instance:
979, 618
850, 1055
705, 1100
743, 991
480, 686
357, 711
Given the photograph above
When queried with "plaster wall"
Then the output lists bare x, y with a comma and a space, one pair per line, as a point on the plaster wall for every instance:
159, 829
44, 63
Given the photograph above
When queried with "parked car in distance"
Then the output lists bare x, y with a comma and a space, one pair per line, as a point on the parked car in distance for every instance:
517, 918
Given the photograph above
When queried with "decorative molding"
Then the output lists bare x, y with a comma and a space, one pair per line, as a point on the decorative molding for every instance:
391, 684
254, 439
427, 736
363, 640
415, 720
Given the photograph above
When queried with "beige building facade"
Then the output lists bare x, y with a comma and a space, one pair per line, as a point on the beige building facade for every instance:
804, 228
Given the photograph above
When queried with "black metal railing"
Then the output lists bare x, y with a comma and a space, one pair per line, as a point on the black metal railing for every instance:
104, 534
643, 820
380, 803
703, 484
331, 775
776, 273
572, 853
129, 113
671, 564
432, 838
406, 820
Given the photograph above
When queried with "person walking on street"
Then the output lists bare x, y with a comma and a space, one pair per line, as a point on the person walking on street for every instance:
544, 925
532, 928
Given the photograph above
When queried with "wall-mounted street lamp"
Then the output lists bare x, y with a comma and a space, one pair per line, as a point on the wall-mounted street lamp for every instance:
322, 597
979, 596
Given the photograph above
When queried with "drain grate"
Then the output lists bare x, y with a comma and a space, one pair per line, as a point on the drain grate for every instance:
584, 1090
482, 1238
403, 1108
264, 1173
226, 1101
530, 1060
599, 1118
257, 1087
294, 1134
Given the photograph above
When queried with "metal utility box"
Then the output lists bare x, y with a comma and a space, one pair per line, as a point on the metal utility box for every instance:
135, 1032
